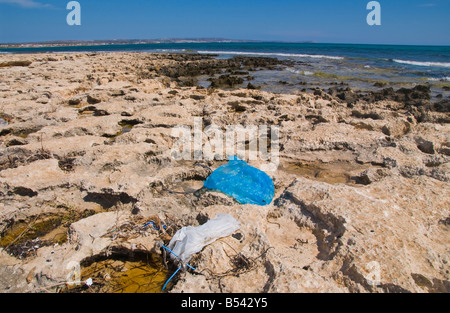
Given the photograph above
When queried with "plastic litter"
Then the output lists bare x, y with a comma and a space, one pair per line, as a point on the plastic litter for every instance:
247, 184
3, 123
154, 225
179, 268
173, 275
190, 240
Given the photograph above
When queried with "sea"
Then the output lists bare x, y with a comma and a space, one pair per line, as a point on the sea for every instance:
360, 66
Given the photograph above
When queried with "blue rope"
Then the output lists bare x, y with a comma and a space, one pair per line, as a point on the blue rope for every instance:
164, 287
154, 225
176, 255
173, 275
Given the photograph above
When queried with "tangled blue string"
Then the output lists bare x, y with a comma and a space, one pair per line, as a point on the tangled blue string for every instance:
164, 287
173, 275
154, 225
176, 256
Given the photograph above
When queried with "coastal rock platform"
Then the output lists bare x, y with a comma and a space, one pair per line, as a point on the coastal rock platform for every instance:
361, 189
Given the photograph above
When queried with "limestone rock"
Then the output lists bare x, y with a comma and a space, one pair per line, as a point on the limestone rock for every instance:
361, 180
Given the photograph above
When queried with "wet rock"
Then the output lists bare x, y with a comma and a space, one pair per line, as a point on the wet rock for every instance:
93, 110
187, 68
252, 87
75, 101
187, 81
117, 93
226, 81
396, 128
237, 107
417, 96
385, 94
24, 192
15, 142
372, 115
434, 286
425, 146
345, 95
130, 98
445, 151
380, 84
197, 97
93, 100
370, 176
315, 119
15, 63
442, 106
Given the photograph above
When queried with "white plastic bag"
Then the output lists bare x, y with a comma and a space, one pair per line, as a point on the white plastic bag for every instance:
190, 240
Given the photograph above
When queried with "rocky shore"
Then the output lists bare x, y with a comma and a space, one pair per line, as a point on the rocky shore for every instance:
361, 191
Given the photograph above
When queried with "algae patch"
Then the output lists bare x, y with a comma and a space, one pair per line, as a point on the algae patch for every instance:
339, 172
24, 237
123, 272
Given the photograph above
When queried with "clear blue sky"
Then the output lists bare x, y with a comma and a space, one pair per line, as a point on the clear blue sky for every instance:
331, 21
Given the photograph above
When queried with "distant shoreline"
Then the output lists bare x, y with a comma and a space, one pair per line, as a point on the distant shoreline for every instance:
121, 42
75, 43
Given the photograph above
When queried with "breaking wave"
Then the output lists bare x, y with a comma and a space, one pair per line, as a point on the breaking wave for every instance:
313, 56
430, 64
443, 79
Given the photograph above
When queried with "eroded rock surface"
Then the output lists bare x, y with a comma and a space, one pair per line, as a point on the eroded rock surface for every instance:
361, 200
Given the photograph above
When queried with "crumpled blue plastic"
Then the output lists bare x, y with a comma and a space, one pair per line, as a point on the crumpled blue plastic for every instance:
247, 184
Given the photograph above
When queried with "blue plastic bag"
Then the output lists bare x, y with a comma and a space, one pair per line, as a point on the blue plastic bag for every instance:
248, 185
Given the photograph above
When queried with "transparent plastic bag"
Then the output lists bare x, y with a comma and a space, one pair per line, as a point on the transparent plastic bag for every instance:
190, 240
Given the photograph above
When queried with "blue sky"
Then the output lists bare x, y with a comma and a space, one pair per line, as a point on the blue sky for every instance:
331, 21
